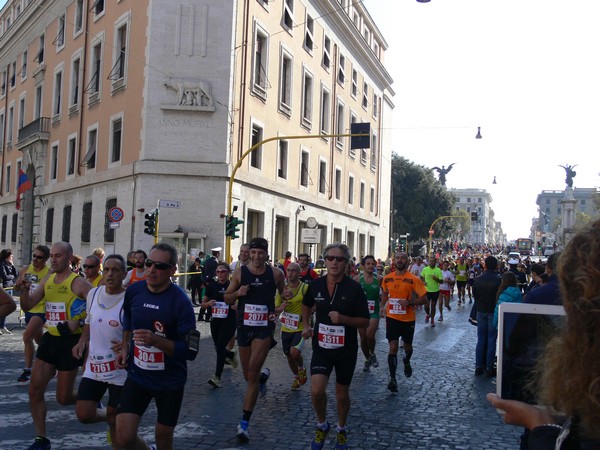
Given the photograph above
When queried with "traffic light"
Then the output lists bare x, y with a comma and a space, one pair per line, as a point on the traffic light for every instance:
231, 226
474, 216
363, 141
150, 223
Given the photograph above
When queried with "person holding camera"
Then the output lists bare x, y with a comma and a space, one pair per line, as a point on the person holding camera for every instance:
64, 293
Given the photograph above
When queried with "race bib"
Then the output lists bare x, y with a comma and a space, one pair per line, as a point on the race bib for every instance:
256, 315
148, 358
220, 310
371, 306
55, 313
331, 336
461, 273
103, 366
290, 320
395, 307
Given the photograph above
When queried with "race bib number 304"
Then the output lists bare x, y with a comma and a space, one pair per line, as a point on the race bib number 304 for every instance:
331, 336
148, 358
256, 315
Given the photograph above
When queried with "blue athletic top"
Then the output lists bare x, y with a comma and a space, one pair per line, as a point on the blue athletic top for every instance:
168, 314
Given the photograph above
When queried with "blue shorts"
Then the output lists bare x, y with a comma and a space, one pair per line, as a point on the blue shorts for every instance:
29, 315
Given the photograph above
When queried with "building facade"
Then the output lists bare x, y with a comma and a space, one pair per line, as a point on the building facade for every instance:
550, 209
485, 230
115, 106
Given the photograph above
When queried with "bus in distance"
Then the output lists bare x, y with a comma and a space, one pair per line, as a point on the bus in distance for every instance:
525, 246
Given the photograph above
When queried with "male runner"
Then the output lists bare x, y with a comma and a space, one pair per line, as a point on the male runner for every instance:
402, 291
432, 277
138, 273
91, 270
254, 286
371, 284
102, 334
341, 308
159, 335
65, 293
461, 279
307, 275
291, 323
36, 316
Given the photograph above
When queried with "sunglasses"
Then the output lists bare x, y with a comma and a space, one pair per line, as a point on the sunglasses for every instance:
38, 257
337, 258
159, 265
89, 266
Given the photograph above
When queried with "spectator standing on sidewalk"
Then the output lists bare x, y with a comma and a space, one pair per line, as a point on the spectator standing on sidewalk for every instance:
485, 290
340, 309
36, 316
569, 369
8, 276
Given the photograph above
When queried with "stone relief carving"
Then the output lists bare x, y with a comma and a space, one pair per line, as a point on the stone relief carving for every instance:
191, 94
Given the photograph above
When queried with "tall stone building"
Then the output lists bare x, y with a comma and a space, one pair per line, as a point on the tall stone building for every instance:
125, 103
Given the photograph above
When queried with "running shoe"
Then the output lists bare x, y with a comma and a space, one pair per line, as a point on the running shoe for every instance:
40, 443
234, 361
341, 441
6, 331
242, 431
262, 383
215, 382
407, 368
441, 319
374, 361
25, 376
320, 435
393, 385
302, 375
427, 318
296, 384
367, 366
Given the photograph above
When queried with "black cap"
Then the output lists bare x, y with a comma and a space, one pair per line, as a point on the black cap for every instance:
260, 243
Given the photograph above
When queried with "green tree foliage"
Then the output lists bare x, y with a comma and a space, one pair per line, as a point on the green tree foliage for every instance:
418, 200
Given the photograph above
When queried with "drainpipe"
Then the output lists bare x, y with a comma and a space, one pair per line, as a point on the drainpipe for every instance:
81, 87
243, 89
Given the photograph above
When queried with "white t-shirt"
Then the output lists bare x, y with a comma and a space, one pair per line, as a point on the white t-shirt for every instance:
104, 318
446, 276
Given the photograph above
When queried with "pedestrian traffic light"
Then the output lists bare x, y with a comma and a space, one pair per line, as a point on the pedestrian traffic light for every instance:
474, 216
231, 226
150, 223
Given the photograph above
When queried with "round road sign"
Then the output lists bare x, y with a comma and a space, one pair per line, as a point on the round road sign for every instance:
115, 214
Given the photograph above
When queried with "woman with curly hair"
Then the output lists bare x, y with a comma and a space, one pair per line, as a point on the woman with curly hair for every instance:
568, 377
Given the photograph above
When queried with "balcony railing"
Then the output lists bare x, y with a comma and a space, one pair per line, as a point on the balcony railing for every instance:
38, 130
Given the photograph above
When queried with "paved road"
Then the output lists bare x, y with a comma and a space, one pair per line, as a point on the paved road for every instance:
442, 406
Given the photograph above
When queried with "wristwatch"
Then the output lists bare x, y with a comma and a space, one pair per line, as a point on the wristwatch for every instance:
81, 322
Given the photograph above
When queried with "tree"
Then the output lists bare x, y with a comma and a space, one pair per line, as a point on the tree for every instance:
418, 199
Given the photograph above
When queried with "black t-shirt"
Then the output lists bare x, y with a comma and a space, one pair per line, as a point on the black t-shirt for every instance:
348, 299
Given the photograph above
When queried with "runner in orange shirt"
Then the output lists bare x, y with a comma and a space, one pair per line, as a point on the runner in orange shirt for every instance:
402, 292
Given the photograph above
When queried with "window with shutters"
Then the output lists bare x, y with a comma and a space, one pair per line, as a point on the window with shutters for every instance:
13, 231
4, 224
66, 225
109, 233
49, 224
86, 222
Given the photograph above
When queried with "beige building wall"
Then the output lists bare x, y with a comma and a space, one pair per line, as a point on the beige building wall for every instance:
170, 120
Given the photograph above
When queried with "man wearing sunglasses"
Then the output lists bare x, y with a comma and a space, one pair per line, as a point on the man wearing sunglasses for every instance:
91, 270
65, 294
341, 308
159, 337
36, 316
253, 286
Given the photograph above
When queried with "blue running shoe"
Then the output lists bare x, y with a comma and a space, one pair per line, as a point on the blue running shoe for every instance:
320, 435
